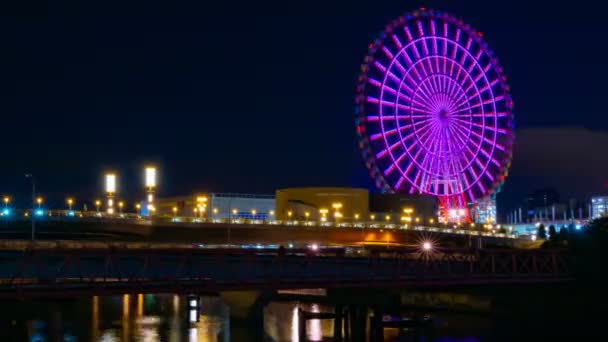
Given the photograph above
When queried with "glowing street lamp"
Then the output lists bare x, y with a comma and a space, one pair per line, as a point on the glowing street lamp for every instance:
195, 212
253, 213
387, 218
289, 214
307, 214
215, 210
150, 181
120, 205
372, 217
97, 205
431, 221
70, 202
174, 212
39, 201
234, 212
138, 207
110, 191
6, 201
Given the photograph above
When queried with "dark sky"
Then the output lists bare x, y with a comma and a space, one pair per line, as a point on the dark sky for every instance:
254, 96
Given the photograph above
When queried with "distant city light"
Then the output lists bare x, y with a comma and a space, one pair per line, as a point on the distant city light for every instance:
71, 213
314, 247
6, 212
150, 177
39, 212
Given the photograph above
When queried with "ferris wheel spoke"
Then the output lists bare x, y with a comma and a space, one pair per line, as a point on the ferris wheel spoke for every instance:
394, 61
491, 101
427, 90
475, 61
489, 157
422, 36
488, 86
372, 118
384, 87
387, 72
485, 139
484, 127
462, 137
412, 45
483, 115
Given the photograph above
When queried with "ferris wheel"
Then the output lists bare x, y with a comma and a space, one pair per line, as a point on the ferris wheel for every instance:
434, 114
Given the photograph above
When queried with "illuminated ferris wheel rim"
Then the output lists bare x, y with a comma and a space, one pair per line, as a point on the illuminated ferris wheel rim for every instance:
483, 138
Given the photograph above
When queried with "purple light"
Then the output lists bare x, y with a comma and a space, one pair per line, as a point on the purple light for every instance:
436, 120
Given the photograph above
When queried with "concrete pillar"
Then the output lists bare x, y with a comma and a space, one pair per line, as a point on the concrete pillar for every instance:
338, 323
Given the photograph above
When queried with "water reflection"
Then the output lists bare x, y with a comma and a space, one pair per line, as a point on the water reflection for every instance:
278, 329
140, 317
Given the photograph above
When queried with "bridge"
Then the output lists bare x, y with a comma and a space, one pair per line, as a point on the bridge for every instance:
94, 225
40, 269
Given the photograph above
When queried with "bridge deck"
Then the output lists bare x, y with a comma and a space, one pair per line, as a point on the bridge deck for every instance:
69, 270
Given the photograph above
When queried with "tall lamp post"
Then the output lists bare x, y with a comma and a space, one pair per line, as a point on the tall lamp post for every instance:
110, 191
150, 174
31, 177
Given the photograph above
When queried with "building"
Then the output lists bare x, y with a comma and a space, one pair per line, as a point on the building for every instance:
419, 208
218, 205
322, 204
484, 211
599, 207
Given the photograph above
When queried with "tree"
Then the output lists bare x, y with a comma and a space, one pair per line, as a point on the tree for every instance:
541, 233
553, 234
563, 234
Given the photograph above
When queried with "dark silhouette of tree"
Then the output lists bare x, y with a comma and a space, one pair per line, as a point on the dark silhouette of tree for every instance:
563, 235
541, 233
553, 234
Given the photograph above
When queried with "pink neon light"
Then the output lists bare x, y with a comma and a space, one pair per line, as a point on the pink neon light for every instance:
443, 107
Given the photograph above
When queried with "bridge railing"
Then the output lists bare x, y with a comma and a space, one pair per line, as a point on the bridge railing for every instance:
183, 270
135, 218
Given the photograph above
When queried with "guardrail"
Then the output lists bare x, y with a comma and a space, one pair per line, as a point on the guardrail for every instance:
185, 270
75, 215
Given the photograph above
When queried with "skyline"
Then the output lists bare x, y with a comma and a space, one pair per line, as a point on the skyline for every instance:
82, 97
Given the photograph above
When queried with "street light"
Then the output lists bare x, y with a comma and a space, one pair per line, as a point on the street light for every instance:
323, 213
6, 200
70, 202
289, 213
110, 191
120, 205
150, 175
174, 212
234, 212
307, 214
97, 205
253, 213
138, 207
39, 201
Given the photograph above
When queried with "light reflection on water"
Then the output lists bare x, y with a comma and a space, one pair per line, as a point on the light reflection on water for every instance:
282, 330
146, 318
151, 318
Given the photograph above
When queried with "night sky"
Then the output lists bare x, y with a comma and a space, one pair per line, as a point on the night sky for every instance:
257, 96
